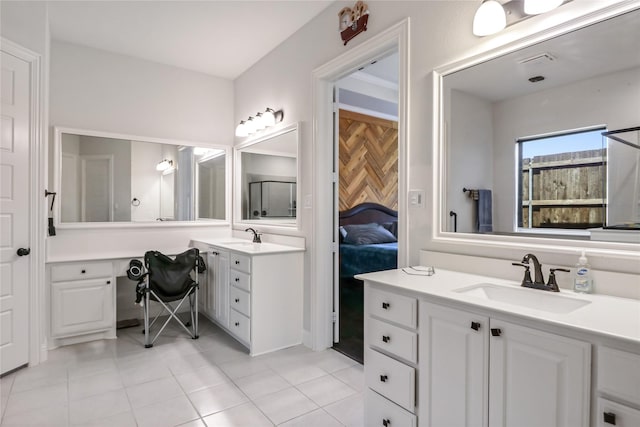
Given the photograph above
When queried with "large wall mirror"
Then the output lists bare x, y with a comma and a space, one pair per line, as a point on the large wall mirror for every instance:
267, 171
543, 140
105, 178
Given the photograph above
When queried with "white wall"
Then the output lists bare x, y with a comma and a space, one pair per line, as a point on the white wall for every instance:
440, 33
145, 180
469, 156
97, 90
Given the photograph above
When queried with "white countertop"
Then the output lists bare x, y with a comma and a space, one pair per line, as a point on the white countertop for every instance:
245, 246
605, 315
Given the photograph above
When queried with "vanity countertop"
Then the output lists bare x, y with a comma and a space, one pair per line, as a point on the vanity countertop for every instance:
609, 316
245, 246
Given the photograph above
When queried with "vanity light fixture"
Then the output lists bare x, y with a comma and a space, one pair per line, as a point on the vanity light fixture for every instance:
164, 165
494, 15
261, 121
536, 7
490, 18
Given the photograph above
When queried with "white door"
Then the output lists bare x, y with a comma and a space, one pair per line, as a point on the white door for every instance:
14, 213
454, 348
537, 378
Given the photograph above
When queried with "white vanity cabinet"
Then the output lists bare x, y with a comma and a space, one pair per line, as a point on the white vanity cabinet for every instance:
256, 295
618, 388
520, 376
391, 354
82, 296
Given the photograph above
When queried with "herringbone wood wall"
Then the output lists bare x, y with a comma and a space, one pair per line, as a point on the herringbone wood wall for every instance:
368, 160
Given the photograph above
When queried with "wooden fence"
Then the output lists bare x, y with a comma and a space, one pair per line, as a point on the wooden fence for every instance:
566, 190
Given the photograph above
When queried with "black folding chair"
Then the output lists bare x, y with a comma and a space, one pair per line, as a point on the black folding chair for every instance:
171, 280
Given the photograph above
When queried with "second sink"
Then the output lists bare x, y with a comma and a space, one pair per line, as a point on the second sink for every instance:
534, 299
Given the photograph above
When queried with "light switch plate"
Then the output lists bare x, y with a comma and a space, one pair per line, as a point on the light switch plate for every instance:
416, 198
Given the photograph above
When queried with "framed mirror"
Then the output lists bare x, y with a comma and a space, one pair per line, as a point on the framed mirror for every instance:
525, 144
266, 179
105, 179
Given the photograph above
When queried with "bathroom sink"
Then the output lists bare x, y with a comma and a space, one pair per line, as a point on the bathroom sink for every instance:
550, 302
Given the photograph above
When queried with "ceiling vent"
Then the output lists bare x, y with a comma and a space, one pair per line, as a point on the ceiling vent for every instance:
537, 60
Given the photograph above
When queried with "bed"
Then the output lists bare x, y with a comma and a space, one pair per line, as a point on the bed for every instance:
363, 257
374, 246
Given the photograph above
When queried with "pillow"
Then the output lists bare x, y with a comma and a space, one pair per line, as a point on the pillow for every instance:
392, 227
367, 234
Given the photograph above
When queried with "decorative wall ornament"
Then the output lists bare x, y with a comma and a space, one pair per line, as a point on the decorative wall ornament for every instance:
353, 21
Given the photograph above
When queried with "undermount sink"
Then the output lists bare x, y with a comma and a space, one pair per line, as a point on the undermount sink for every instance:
530, 298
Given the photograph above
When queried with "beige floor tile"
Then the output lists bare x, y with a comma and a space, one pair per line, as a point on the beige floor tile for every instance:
33, 399
125, 419
349, 411
325, 390
243, 415
261, 384
153, 392
243, 368
317, 418
217, 398
166, 414
99, 406
352, 376
80, 388
201, 378
49, 415
285, 405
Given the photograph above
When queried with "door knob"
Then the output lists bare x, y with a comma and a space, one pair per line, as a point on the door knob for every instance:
23, 251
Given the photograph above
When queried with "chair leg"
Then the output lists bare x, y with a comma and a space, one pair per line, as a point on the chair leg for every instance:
147, 337
195, 330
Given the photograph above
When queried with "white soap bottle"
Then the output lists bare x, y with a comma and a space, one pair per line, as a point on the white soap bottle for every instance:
582, 281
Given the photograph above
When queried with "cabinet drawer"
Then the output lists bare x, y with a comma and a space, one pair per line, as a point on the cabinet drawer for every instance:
81, 306
619, 374
81, 271
240, 280
240, 326
396, 308
240, 300
393, 339
380, 412
392, 379
613, 414
241, 262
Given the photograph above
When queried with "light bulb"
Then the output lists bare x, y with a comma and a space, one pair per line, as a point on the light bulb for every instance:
259, 121
164, 165
269, 117
536, 7
250, 125
489, 19
241, 129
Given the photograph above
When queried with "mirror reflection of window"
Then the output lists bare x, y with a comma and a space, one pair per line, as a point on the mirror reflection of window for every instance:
562, 180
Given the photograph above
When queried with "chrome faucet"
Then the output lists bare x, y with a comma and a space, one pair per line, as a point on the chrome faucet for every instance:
256, 235
538, 281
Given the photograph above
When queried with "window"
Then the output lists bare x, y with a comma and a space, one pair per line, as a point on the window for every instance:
562, 181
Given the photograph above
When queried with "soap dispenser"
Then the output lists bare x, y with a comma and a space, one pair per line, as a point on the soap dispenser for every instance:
582, 281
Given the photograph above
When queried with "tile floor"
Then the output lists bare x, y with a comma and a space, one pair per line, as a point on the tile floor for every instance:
211, 381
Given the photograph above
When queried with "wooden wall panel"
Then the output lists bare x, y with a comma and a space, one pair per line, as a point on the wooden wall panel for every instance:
368, 160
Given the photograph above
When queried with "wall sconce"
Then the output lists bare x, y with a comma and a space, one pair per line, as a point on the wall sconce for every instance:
494, 15
164, 165
261, 121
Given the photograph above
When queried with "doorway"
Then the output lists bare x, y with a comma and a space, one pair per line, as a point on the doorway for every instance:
366, 150
324, 215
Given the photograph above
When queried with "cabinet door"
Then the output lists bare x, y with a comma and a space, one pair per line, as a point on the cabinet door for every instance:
221, 289
537, 378
81, 306
453, 368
